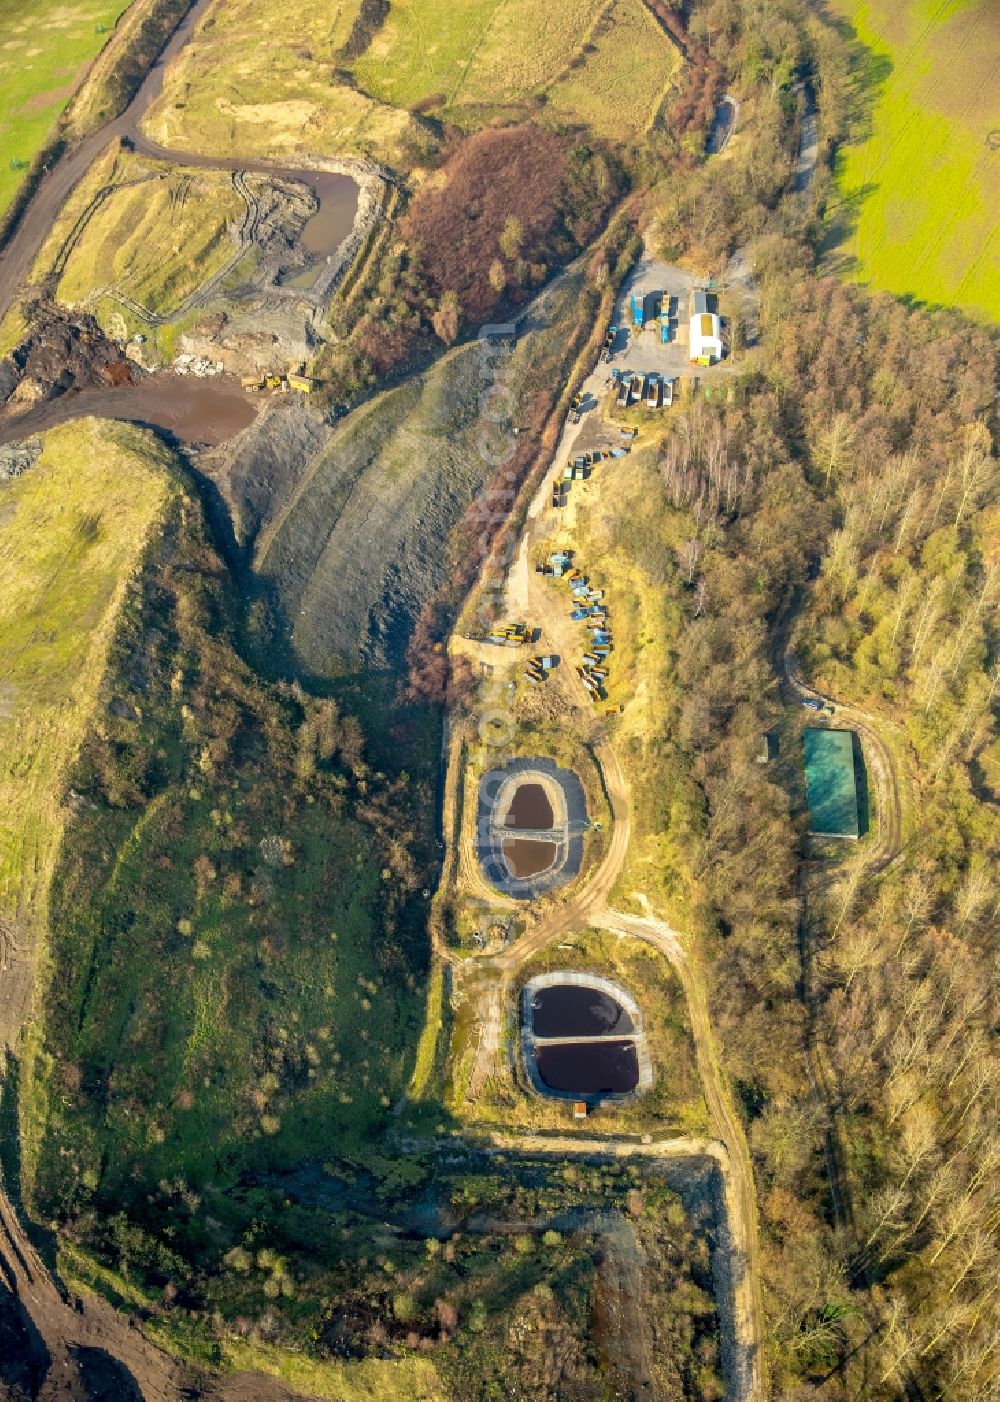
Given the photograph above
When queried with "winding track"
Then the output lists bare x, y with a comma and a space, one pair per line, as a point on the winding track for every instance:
885, 853
24, 245
95, 1323
589, 903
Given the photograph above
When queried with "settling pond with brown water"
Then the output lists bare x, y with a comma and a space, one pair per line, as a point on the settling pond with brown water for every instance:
526, 856
530, 808
193, 410
531, 811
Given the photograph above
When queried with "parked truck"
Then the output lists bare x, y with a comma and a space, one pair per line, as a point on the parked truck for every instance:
624, 389
509, 634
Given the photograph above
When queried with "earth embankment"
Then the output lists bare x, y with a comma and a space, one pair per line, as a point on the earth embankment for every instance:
352, 528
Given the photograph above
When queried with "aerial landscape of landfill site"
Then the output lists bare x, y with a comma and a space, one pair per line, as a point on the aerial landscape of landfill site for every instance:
499, 681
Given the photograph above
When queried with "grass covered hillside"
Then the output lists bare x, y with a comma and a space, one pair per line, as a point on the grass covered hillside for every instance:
230, 1013
605, 67
918, 206
72, 530
262, 78
157, 235
235, 949
377, 523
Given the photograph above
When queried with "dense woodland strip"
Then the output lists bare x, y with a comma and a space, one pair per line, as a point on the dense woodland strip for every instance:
858, 475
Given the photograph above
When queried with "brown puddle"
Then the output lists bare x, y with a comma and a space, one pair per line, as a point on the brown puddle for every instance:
526, 856
588, 1068
571, 1010
530, 808
333, 221
193, 410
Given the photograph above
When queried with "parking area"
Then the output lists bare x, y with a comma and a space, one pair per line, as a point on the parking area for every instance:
644, 350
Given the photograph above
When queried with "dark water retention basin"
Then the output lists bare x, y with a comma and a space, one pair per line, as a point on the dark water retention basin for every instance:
722, 126
588, 1068
571, 1010
530, 808
527, 857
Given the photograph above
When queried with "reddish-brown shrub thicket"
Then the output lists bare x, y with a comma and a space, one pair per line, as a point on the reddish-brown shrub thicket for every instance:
455, 226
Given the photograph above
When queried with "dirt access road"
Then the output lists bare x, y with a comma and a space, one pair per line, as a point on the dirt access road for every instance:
588, 904
33, 227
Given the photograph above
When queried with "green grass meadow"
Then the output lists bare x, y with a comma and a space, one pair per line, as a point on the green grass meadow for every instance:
919, 191
261, 81
45, 49
71, 531
605, 67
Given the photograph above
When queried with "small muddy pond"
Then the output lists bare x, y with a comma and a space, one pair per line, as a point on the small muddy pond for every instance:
530, 808
327, 229
588, 1068
333, 221
193, 410
570, 1010
526, 856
